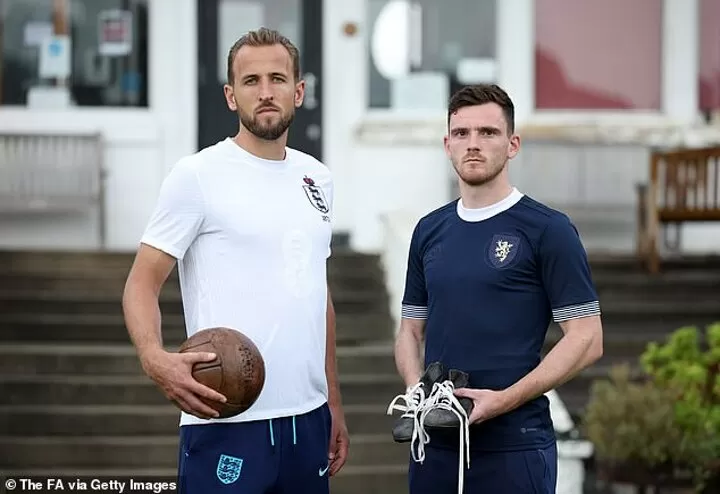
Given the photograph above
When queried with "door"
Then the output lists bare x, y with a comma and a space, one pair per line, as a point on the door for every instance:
220, 24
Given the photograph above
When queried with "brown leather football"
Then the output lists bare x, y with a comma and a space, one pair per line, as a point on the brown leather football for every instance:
238, 371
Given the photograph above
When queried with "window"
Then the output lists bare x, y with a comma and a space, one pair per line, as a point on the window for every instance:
709, 55
235, 18
592, 55
457, 47
74, 53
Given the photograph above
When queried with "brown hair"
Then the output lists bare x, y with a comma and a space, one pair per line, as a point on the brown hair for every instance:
263, 37
481, 94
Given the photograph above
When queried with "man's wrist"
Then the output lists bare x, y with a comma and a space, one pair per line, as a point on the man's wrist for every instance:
147, 355
510, 398
334, 397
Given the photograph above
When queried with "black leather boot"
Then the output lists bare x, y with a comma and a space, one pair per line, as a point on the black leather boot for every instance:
414, 398
440, 414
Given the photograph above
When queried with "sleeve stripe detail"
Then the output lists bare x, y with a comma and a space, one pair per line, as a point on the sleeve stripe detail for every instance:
414, 312
576, 311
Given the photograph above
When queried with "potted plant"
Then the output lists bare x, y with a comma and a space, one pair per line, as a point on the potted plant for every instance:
660, 425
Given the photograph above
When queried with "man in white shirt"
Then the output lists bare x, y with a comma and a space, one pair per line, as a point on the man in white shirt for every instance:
248, 222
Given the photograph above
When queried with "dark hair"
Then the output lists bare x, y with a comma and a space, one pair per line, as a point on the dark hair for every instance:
263, 37
481, 94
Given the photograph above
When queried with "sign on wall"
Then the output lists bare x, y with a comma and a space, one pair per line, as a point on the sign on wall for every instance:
115, 33
55, 60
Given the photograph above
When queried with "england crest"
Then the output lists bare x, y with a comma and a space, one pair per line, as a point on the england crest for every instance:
502, 250
315, 195
228, 469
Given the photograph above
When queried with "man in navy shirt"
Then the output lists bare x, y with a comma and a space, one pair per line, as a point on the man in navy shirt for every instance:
486, 275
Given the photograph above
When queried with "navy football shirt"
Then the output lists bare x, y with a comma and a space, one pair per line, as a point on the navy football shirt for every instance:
489, 282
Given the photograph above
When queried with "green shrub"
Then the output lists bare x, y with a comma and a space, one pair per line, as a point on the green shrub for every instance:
668, 418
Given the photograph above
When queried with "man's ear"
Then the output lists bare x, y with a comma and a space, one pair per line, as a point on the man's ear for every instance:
230, 97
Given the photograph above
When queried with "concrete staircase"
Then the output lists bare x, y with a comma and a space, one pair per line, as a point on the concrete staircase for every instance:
75, 402
639, 308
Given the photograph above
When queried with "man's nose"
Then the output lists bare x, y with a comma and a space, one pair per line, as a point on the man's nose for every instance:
473, 142
265, 93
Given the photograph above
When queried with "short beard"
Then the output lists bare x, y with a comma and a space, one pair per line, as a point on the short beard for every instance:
477, 181
267, 133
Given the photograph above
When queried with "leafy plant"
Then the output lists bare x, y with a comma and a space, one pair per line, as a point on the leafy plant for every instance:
669, 419
688, 365
631, 422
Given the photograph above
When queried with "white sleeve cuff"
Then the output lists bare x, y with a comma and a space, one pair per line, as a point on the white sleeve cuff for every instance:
163, 246
586, 309
414, 312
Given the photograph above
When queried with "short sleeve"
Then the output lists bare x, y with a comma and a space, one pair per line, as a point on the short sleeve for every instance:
415, 299
566, 273
179, 213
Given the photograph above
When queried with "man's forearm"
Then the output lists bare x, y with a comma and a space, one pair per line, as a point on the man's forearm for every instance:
331, 374
573, 353
407, 357
142, 319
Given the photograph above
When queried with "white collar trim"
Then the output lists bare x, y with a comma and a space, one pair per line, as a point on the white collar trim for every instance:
487, 212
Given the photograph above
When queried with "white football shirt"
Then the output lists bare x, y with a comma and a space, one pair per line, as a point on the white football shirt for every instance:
252, 238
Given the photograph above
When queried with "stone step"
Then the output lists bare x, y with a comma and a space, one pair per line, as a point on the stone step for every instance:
158, 451
352, 479
613, 262
615, 302
114, 264
130, 420
115, 281
621, 279
121, 359
657, 317
153, 420
57, 389
53, 302
372, 390
618, 347
101, 282
97, 328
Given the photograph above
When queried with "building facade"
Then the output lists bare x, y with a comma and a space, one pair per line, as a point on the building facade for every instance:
595, 88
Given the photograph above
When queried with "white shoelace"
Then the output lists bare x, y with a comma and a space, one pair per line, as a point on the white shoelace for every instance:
443, 397
417, 406
415, 399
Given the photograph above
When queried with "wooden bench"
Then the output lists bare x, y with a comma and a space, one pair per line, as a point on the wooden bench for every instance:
43, 173
683, 187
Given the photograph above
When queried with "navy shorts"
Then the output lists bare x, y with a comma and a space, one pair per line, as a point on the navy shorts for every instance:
508, 472
278, 456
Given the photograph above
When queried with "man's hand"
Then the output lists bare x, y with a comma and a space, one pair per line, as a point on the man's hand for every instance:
339, 441
173, 374
487, 404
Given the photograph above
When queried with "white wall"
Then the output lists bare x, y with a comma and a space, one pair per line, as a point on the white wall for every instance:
141, 144
345, 100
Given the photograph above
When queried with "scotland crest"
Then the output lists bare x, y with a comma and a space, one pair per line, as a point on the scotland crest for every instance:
502, 250
315, 195
228, 469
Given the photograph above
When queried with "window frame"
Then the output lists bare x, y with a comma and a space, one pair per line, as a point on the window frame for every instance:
515, 58
139, 110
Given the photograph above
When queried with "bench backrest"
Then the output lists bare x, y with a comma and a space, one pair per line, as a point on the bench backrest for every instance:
685, 184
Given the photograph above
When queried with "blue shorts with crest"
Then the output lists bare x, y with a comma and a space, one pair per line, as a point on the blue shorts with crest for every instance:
279, 456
